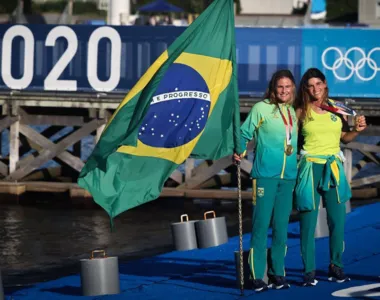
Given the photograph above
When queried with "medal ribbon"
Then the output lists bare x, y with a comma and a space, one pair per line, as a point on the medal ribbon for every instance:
338, 108
288, 127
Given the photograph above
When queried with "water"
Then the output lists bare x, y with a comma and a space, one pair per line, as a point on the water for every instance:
40, 242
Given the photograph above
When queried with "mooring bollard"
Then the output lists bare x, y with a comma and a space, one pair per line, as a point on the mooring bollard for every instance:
348, 206
247, 272
184, 236
100, 275
211, 232
1, 287
347, 164
322, 228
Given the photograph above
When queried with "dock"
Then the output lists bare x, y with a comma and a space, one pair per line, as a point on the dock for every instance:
85, 115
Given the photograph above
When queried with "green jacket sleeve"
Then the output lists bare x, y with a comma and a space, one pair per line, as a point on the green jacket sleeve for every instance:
250, 126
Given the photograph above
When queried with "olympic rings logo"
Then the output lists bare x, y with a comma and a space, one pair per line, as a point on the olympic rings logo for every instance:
350, 65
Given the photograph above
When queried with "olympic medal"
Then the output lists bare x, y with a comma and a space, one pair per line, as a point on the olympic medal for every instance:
289, 150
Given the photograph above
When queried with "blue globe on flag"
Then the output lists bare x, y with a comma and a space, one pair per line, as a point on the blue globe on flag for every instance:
179, 109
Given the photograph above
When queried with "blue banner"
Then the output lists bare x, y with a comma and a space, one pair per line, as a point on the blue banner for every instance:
112, 59
79, 58
348, 58
87, 58
261, 52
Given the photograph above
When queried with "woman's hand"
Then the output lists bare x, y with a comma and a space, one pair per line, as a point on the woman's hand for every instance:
237, 158
360, 123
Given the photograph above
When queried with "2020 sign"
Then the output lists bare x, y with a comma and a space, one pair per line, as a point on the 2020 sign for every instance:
53, 79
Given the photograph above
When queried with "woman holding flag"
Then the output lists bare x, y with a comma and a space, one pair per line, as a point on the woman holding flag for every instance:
272, 124
322, 126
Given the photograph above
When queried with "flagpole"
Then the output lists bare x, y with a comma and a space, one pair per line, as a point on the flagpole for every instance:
241, 267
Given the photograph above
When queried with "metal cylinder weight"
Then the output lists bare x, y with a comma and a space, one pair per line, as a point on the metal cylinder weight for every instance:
184, 237
322, 228
100, 275
211, 232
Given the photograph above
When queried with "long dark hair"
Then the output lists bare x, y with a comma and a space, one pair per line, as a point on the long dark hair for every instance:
303, 98
270, 93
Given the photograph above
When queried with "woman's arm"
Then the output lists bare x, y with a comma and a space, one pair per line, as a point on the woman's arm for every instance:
248, 128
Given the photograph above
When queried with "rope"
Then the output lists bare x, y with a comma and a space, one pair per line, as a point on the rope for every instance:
240, 232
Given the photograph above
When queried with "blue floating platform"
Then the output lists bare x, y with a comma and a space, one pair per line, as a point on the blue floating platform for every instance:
210, 273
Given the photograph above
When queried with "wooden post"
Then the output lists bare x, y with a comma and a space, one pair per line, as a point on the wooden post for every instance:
348, 172
189, 166
5, 109
99, 132
67, 170
4, 112
14, 143
92, 113
1, 144
101, 128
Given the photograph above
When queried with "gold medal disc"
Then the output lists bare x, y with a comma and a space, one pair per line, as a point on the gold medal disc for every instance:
289, 150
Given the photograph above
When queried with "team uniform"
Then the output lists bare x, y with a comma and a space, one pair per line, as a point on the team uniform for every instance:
321, 174
273, 176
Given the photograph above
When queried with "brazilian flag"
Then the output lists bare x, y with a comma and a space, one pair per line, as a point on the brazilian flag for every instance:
186, 104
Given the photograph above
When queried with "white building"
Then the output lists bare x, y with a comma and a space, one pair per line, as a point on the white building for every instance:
277, 13
266, 7
369, 12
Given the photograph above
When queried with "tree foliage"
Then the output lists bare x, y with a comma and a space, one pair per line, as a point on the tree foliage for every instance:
7, 6
342, 10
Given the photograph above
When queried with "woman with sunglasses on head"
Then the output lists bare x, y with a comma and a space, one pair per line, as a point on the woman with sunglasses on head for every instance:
272, 124
322, 126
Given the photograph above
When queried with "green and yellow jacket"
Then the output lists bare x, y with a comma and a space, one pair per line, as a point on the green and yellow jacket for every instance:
333, 177
265, 125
